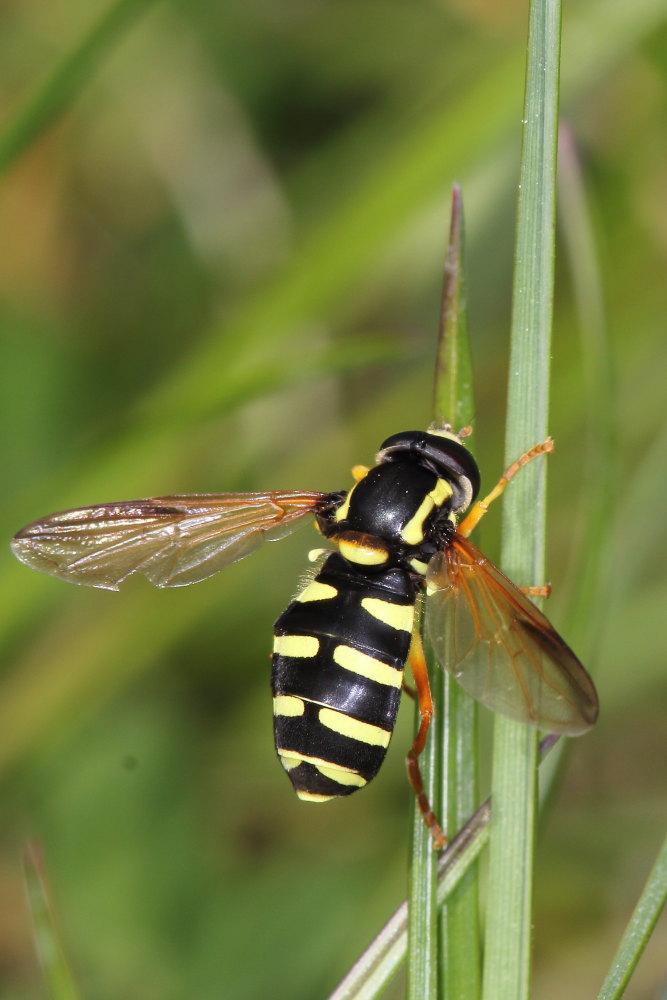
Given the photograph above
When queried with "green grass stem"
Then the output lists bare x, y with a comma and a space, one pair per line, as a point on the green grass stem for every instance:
67, 80
380, 961
514, 785
447, 960
593, 523
643, 920
422, 970
592, 569
460, 954
48, 945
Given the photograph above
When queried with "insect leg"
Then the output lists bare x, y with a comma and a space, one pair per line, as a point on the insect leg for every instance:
478, 511
420, 673
539, 591
409, 690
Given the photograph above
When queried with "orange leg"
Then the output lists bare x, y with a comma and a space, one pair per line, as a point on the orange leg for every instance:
409, 690
420, 674
538, 591
478, 511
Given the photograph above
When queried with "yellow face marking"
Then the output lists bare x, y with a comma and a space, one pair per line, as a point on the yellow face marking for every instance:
312, 797
367, 666
316, 591
338, 722
413, 531
296, 645
342, 511
363, 555
446, 431
398, 616
287, 704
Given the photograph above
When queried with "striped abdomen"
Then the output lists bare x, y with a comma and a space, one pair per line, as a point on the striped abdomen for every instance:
339, 653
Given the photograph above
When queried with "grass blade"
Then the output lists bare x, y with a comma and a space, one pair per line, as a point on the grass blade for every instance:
67, 80
452, 391
451, 748
638, 931
373, 970
599, 473
422, 975
48, 945
380, 961
514, 786
593, 557
454, 400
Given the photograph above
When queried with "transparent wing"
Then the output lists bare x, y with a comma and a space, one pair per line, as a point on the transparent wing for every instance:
500, 648
172, 540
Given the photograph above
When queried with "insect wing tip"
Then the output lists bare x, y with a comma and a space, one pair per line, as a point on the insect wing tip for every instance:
26, 548
23, 549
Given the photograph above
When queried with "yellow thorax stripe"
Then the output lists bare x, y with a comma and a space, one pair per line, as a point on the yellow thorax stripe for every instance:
413, 531
344, 508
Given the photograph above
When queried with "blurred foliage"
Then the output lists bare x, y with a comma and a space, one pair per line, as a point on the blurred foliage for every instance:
221, 270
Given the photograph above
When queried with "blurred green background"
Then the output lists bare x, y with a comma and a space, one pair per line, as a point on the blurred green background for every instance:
221, 269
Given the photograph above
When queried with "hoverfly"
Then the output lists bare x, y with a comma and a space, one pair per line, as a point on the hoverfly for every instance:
341, 646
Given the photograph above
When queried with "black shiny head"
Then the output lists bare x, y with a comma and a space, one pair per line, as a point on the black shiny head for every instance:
440, 451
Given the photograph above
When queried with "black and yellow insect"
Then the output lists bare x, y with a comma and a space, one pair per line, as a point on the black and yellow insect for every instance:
341, 646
